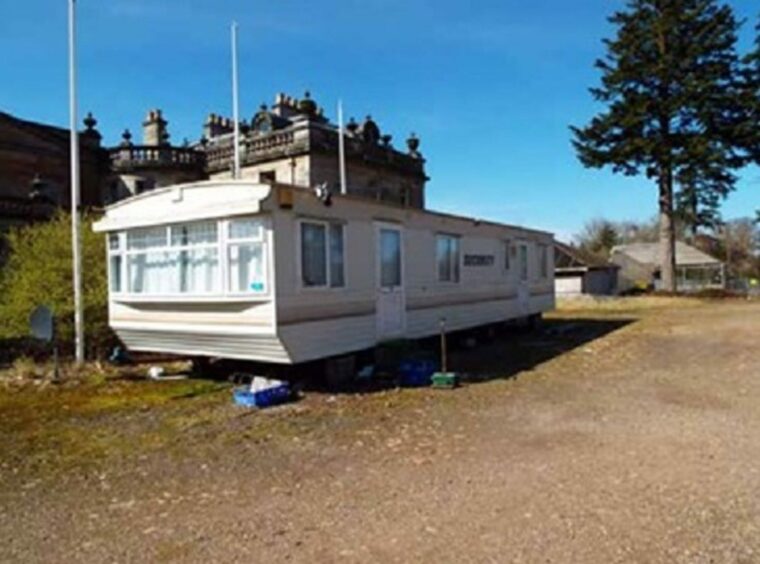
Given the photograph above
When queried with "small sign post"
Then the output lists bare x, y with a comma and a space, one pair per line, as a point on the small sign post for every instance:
42, 325
444, 378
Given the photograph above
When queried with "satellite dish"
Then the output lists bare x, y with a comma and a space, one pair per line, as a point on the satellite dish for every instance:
41, 323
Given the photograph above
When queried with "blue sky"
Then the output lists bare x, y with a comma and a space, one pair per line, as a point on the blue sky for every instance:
491, 90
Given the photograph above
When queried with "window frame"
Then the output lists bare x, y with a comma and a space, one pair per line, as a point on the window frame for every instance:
327, 225
458, 270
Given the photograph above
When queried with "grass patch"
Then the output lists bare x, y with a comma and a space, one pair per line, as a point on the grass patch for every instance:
632, 304
55, 428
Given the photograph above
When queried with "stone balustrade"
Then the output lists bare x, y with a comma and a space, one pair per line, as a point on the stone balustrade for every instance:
150, 156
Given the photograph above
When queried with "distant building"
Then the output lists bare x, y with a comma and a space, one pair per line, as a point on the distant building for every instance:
576, 274
640, 267
291, 143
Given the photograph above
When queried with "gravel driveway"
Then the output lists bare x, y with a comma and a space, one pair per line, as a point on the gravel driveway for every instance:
640, 442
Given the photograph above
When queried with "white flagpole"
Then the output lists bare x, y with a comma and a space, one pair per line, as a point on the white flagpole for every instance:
235, 103
341, 150
76, 242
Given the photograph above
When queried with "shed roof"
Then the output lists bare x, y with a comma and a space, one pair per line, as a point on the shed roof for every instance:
570, 257
649, 253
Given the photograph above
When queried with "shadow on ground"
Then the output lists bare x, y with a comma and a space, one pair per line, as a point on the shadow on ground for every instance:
478, 355
515, 351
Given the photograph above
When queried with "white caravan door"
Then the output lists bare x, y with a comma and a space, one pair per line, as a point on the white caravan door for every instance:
523, 281
391, 301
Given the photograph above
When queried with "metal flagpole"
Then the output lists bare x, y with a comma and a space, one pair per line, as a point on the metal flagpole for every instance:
235, 104
76, 242
341, 149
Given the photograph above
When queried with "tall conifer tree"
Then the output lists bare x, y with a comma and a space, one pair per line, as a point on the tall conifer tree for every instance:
670, 81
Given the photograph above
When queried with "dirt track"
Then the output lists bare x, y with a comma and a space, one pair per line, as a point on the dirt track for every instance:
640, 444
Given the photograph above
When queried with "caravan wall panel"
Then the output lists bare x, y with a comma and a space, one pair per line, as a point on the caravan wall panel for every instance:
326, 321
267, 348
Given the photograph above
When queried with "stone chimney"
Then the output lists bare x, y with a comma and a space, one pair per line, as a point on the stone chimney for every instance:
216, 125
154, 129
285, 106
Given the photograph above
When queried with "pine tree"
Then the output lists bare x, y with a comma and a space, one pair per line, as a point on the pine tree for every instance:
752, 71
670, 81
702, 188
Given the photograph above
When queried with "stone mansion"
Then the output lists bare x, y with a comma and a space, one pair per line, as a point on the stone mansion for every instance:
291, 142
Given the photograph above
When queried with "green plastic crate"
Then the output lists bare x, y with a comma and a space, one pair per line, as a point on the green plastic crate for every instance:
447, 380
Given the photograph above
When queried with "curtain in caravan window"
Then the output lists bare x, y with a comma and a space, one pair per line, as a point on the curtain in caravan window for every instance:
313, 254
246, 267
196, 233
245, 255
153, 272
115, 273
199, 271
146, 238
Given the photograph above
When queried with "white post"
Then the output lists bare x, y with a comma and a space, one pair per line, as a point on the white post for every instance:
235, 104
341, 150
76, 242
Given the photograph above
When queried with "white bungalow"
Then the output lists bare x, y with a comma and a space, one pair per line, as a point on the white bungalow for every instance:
277, 273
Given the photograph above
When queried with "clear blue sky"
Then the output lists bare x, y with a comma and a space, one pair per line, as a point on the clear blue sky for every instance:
490, 90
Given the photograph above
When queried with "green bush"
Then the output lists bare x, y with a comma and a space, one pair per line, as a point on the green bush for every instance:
38, 271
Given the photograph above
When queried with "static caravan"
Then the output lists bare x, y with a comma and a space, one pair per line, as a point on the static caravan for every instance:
284, 274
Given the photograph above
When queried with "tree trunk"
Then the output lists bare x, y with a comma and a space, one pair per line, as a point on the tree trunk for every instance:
667, 232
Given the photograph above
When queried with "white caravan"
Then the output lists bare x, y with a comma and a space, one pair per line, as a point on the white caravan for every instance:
278, 273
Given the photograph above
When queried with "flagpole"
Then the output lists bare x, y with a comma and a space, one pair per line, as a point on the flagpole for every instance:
235, 104
76, 242
341, 150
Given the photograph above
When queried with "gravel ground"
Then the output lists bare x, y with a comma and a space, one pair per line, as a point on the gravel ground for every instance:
631, 437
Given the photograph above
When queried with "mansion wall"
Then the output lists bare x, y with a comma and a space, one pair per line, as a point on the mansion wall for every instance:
35, 176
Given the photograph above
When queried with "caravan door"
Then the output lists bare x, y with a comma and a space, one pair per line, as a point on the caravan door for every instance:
391, 300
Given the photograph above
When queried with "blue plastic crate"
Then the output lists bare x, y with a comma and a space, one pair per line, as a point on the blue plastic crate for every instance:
416, 373
262, 398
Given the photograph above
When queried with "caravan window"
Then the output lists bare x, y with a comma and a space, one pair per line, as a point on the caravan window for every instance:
543, 257
447, 254
245, 256
183, 259
390, 258
115, 262
523, 262
322, 255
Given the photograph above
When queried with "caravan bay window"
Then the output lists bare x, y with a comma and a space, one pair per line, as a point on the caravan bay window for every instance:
190, 259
